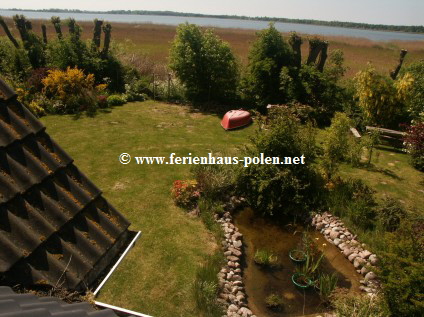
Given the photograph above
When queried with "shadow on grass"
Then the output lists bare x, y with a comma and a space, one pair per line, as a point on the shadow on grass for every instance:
384, 171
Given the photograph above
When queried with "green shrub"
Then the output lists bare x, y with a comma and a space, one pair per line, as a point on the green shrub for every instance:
402, 269
390, 214
337, 144
415, 102
14, 63
215, 181
204, 64
354, 200
359, 305
116, 100
281, 189
267, 57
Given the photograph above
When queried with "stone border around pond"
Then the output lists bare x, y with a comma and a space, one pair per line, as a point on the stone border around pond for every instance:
363, 260
232, 293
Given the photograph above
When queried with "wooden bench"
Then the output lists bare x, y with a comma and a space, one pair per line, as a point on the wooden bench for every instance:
391, 137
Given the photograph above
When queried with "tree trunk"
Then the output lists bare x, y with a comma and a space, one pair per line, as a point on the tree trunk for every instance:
21, 25
395, 72
314, 50
74, 29
97, 33
295, 42
57, 27
323, 56
44, 31
7, 31
107, 29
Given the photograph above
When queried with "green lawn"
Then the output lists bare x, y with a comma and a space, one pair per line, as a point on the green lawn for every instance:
156, 276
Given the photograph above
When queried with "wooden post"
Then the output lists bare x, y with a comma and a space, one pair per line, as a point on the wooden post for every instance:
107, 29
395, 72
44, 31
21, 25
57, 27
97, 33
295, 42
322, 56
314, 50
7, 31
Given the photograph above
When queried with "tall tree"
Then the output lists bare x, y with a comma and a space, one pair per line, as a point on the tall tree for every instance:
8, 33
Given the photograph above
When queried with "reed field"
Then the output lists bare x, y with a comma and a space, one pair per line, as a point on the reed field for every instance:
152, 42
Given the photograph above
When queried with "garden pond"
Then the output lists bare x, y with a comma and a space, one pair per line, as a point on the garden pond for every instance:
260, 282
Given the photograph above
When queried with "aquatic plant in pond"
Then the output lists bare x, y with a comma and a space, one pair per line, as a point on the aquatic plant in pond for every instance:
266, 258
327, 284
274, 302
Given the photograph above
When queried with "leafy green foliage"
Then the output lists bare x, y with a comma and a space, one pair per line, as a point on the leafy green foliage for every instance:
327, 284
415, 104
116, 100
337, 144
359, 305
204, 64
267, 57
381, 99
390, 214
402, 269
14, 62
280, 189
354, 200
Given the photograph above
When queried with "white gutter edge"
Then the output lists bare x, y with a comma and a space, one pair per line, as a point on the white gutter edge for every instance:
116, 265
119, 309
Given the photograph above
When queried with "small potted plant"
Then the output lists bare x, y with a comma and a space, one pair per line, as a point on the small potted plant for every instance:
301, 280
297, 256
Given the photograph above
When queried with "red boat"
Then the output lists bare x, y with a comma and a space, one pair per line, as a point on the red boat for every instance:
234, 119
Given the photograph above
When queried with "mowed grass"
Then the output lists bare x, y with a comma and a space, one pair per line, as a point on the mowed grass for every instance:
157, 275
154, 41
389, 174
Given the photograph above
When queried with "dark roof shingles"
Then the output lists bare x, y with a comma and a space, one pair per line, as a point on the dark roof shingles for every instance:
52, 217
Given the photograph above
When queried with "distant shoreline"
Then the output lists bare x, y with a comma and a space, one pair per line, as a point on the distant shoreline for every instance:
355, 25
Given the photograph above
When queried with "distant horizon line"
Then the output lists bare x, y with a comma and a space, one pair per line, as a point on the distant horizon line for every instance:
360, 25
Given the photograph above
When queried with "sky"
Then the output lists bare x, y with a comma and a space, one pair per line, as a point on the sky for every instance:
397, 12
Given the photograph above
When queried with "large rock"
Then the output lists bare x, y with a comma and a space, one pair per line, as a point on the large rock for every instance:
337, 241
370, 276
373, 259
347, 251
334, 234
352, 256
358, 262
237, 244
365, 254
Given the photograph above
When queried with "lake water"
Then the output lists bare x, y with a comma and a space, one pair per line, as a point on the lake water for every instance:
226, 23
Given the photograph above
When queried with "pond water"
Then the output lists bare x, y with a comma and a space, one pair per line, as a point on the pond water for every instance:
259, 283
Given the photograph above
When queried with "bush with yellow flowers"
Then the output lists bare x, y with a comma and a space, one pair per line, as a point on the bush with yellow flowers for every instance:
71, 90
